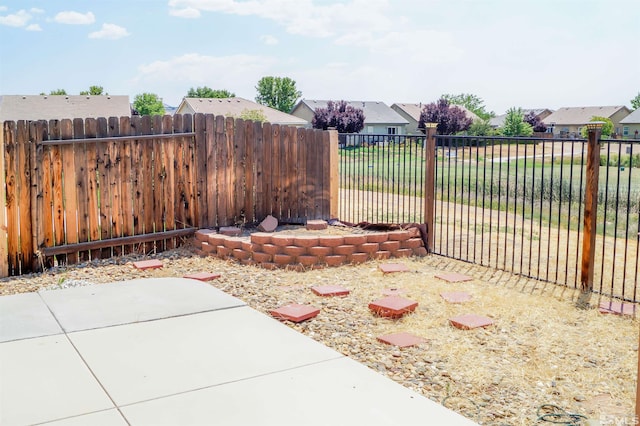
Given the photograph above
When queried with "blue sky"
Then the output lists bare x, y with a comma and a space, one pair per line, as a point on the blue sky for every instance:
530, 54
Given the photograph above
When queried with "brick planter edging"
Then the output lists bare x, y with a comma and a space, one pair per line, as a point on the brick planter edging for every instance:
273, 250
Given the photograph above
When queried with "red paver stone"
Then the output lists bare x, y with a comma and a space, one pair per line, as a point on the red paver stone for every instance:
377, 237
208, 248
412, 243
393, 306
241, 254
335, 260
358, 257
402, 340
147, 264
617, 308
307, 260
231, 231
345, 249
394, 292
454, 277
261, 238
305, 241
399, 235
456, 296
282, 240
282, 259
420, 251
382, 255
271, 249
203, 234
316, 225
330, 290
269, 224
388, 268
469, 321
202, 276
294, 250
216, 239
402, 253
330, 240
262, 257
321, 251
295, 312
390, 245
233, 243
355, 239
368, 248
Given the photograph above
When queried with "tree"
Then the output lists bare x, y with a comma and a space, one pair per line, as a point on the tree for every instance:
481, 127
514, 124
607, 127
344, 117
148, 104
56, 92
450, 118
471, 102
253, 115
535, 122
277, 92
94, 91
207, 92
635, 102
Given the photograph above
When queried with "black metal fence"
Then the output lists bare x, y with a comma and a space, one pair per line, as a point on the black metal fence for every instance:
515, 204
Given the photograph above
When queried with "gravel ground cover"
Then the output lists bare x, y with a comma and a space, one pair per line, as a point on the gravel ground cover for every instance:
541, 351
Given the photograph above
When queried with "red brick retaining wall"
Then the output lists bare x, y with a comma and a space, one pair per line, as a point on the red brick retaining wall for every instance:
301, 252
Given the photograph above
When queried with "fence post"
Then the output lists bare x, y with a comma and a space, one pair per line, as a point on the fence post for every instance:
590, 205
334, 180
429, 183
4, 255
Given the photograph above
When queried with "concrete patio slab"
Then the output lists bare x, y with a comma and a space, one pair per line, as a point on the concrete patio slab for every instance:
24, 316
44, 379
142, 361
105, 305
339, 392
101, 418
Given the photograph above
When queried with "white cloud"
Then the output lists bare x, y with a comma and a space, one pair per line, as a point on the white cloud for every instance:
187, 12
269, 40
3, 8
110, 32
18, 19
36, 10
33, 27
75, 18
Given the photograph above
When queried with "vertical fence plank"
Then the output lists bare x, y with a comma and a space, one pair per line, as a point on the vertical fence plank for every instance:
137, 175
116, 181
93, 184
158, 181
126, 180
291, 187
211, 183
239, 153
266, 167
190, 172
228, 199
58, 194
301, 161
200, 171
178, 171
40, 189
312, 172
168, 157
4, 253
104, 185
13, 230
221, 157
249, 166
146, 183
325, 170
23, 177
334, 178
276, 188
282, 177
82, 192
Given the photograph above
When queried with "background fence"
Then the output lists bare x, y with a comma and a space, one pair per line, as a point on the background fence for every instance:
84, 189
515, 204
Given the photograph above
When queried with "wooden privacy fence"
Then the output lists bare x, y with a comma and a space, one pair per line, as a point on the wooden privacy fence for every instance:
80, 189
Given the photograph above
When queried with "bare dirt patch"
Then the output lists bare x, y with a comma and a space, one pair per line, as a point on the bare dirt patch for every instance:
541, 350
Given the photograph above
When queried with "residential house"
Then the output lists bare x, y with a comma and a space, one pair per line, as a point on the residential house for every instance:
235, 107
567, 122
57, 107
631, 125
379, 119
411, 113
541, 113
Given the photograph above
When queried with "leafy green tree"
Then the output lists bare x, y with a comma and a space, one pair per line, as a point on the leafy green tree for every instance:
148, 104
471, 102
514, 124
207, 92
635, 102
607, 127
56, 92
253, 115
278, 92
481, 127
94, 91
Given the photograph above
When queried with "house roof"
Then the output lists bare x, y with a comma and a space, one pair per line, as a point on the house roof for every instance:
498, 120
374, 112
57, 107
235, 106
581, 115
633, 118
414, 110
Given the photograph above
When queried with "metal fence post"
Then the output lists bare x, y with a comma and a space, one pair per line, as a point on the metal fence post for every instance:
590, 205
429, 183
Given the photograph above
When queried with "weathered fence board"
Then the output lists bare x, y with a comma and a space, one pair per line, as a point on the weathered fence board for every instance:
80, 189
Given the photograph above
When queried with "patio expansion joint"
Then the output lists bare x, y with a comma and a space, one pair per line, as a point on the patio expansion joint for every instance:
243, 379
